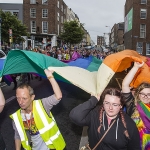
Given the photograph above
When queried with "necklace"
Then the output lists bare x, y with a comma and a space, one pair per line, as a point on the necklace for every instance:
29, 122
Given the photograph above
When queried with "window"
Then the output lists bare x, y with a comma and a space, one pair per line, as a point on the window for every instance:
62, 19
33, 26
58, 4
143, 13
44, 13
44, 2
44, 27
147, 48
58, 16
32, 1
62, 29
142, 30
64, 11
139, 47
62, 8
58, 29
16, 14
143, 1
33, 13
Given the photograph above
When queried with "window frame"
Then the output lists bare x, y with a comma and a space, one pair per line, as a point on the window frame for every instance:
142, 31
64, 11
138, 48
58, 29
148, 49
62, 19
43, 27
43, 13
142, 13
16, 13
44, 3
31, 13
62, 8
58, 16
32, 2
58, 3
143, 2
33, 28
62, 29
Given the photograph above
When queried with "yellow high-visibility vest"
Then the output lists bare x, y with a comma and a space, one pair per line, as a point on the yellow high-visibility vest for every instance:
46, 125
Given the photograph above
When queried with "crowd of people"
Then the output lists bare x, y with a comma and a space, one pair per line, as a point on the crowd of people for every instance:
66, 54
109, 127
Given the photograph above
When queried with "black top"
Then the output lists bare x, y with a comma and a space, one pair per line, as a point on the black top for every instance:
87, 114
129, 103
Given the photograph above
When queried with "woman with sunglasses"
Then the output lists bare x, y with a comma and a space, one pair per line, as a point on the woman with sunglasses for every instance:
138, 106
122, 134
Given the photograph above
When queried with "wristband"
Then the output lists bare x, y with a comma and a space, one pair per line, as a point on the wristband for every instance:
50, 77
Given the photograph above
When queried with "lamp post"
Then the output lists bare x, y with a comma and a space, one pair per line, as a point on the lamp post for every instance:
109, 34
104, 40
0, 33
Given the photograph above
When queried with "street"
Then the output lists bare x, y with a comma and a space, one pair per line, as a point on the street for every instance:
72, 96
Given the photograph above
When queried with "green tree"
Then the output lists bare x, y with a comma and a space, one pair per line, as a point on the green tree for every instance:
72, 33
10, 21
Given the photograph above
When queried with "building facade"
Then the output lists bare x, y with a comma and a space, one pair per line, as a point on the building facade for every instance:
44, 20
117, 37
137, 26
15, 9
100, 41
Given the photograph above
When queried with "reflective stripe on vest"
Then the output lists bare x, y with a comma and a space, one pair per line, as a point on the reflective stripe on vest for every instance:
47, 127
53, 138
20, 128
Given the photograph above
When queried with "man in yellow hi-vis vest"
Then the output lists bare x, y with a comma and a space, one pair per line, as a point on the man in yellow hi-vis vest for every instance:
34, 125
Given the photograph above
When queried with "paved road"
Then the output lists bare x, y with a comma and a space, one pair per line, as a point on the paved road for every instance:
72, 96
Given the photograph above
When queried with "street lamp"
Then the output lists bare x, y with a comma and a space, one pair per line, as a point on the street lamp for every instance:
109, 28
0, 33
104, 40
109, 34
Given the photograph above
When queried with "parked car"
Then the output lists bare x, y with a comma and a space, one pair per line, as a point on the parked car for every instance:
2, 55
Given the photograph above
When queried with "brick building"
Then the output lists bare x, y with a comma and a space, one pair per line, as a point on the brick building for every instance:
100, 41
137, 26
44, 20
116, 37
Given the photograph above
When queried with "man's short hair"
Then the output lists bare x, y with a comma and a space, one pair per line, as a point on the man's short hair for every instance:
25, 85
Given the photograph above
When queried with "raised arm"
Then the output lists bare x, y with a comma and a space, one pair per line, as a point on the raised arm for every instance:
129, 77
55, 86
2, 99
81, 114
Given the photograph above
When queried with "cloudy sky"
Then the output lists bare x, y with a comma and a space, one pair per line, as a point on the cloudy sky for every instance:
95, 14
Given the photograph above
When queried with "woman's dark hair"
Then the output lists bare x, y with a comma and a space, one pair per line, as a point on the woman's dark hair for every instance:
113, 92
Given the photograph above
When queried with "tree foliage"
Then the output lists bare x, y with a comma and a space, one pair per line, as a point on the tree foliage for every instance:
10, 21
72, 33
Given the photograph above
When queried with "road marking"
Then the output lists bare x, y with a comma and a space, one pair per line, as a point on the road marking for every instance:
119, 84
10, 99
